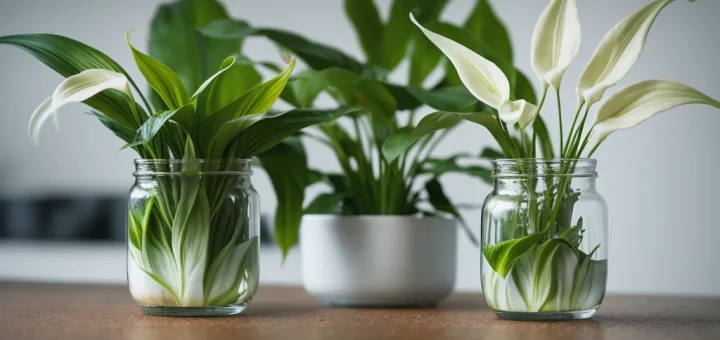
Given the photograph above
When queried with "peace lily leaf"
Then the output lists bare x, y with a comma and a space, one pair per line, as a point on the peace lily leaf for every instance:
484, 23
502, 255
364, 16
324, 204
442, 120
227, 29
161, 78
289, 188
127, 135
524, 88
397, 143
424, 59
272, 129
483, 79
491, 154
174, 39
636, 103
76, 89
227, 85
303, 90
439, 167
351, 89
617, 52
444, 98
315, 55
258, 99
441, 202
394, 41
153, 125
556, 41
69, 57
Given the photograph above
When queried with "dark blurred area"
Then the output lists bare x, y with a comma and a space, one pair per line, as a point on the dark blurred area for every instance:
71, 218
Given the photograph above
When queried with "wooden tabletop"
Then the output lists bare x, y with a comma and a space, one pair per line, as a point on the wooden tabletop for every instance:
40, 311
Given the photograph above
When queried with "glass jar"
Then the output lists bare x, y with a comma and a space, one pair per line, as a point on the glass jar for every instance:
544, 240
193, 237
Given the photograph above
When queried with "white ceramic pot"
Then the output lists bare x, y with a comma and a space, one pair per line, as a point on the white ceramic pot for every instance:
378, 261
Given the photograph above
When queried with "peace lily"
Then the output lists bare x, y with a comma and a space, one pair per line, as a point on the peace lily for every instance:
187, 246
483, 79
556, 41
545, 270
76, 89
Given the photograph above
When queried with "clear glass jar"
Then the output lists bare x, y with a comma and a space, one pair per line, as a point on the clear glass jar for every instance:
193, 237
544, 240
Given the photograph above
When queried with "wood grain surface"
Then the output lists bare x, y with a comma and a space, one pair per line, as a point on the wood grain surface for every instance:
42, 311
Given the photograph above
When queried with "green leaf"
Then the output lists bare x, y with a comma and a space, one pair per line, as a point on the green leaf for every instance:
364, 16
424, 58
69, 57
152, 126
397, 143
442, 120
256, 100
524, 89
127, 135
162, 79
274, 128
325, 204
445, 98
399, 30
351, 89
441, 202
486, 26
492, 154
502, 256
175, 41
439, 167
233, 80
227, 29
315, 55
302, 91
289, 188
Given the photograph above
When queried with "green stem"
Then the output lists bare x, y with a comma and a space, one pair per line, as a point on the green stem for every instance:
572, 128
560, 122
575, 139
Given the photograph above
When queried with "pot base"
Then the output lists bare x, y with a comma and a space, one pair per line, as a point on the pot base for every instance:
546, 316
193, 311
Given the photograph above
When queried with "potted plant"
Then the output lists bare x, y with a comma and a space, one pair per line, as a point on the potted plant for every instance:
193, 215
544, 227
384, 232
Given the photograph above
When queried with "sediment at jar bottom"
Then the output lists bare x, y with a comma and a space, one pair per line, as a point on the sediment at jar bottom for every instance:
235, 283
567, 280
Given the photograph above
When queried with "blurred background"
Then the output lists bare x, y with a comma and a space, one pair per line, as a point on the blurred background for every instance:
62, 204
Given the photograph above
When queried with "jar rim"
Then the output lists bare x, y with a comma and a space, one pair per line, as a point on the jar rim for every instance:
540, 167
153, 167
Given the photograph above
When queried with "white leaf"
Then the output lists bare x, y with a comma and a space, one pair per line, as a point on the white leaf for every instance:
556, 41
481, 77
636, 103
75, 89
617, 52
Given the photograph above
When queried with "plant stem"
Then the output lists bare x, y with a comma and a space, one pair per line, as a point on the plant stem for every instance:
560, 122
572, 128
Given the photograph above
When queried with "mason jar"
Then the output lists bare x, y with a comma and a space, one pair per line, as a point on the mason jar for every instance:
544, 240
193, 237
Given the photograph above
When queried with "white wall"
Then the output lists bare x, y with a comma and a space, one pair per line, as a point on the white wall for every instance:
659, 179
